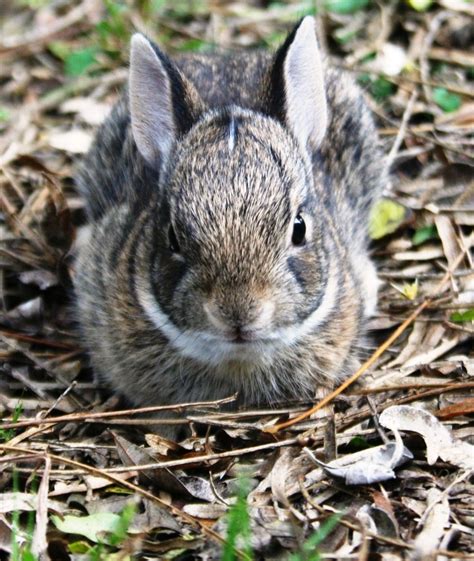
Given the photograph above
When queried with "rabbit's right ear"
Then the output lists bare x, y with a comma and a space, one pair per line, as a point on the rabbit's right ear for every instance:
161, 105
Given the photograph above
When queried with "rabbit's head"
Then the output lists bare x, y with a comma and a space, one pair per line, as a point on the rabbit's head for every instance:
235, 261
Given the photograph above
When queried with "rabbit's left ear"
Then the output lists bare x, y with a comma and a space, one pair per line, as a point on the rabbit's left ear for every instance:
298, 89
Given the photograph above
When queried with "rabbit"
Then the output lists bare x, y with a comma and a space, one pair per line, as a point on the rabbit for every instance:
228, 197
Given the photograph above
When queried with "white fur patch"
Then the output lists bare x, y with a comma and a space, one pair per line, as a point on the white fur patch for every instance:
211, 349
365, 270
199, 345
232, 134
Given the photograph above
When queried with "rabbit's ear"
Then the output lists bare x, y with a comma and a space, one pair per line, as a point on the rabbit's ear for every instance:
298, 90
159, 101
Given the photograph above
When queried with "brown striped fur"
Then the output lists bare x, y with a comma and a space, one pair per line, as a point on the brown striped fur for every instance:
223, 194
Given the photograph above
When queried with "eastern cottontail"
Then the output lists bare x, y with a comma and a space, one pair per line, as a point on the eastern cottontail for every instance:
229, 197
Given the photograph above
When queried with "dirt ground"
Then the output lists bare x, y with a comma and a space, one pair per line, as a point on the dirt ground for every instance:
78, 478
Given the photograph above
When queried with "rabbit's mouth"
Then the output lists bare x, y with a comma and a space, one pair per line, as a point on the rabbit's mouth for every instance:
243, 348
243, 337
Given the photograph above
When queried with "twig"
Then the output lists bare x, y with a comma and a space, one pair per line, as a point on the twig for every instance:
434, 27
361, 415
403, 127
464, 475
401, 80
187, 518
462, 58
384, 539
87, 416
36, 37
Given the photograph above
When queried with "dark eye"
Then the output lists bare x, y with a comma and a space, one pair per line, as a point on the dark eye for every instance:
174, 246
299, 231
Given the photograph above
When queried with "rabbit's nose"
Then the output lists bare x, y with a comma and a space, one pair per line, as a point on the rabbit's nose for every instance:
238, 319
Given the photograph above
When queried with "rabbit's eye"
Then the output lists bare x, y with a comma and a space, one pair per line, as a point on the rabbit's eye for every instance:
299, 231
174, 246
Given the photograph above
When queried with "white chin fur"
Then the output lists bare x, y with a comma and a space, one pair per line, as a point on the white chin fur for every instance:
207, 348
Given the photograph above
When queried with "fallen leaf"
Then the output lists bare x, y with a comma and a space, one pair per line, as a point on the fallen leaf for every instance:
25, 502
88, 109
448, 101
379, 520
427, 541
438, 439
93, 527
420, 5
461, 317
385, 217
390, 60
465, 407
75, 141
368, 466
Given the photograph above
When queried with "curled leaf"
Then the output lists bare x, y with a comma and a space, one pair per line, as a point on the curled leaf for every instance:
368, 466
439, 441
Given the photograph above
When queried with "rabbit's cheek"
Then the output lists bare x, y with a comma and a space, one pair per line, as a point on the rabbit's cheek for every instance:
310, 321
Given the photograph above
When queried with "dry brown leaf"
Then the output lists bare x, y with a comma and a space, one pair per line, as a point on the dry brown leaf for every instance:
465, 407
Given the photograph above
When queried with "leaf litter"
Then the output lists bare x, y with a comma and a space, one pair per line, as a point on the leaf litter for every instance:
392, 455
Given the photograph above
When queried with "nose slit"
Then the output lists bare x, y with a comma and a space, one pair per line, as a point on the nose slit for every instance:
238, 319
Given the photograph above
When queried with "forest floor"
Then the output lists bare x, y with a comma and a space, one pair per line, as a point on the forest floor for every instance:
78, 478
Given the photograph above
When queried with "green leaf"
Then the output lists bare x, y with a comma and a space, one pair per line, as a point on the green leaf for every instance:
77, 62
8, 434
345, 6
344, 35
4, 114
381, 88
385, 217
274, 39
126, 518
60, 49
410, 290
460, 317
196, 45
309, 550
424, 234
358, 443
364, 79
79, 547
420, 5
238, 526
448, 101
92, 527
34, 4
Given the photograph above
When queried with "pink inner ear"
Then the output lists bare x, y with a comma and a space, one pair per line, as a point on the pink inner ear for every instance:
306, 103
151, 107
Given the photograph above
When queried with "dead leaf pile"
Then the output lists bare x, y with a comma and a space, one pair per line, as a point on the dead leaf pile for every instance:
79, 476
